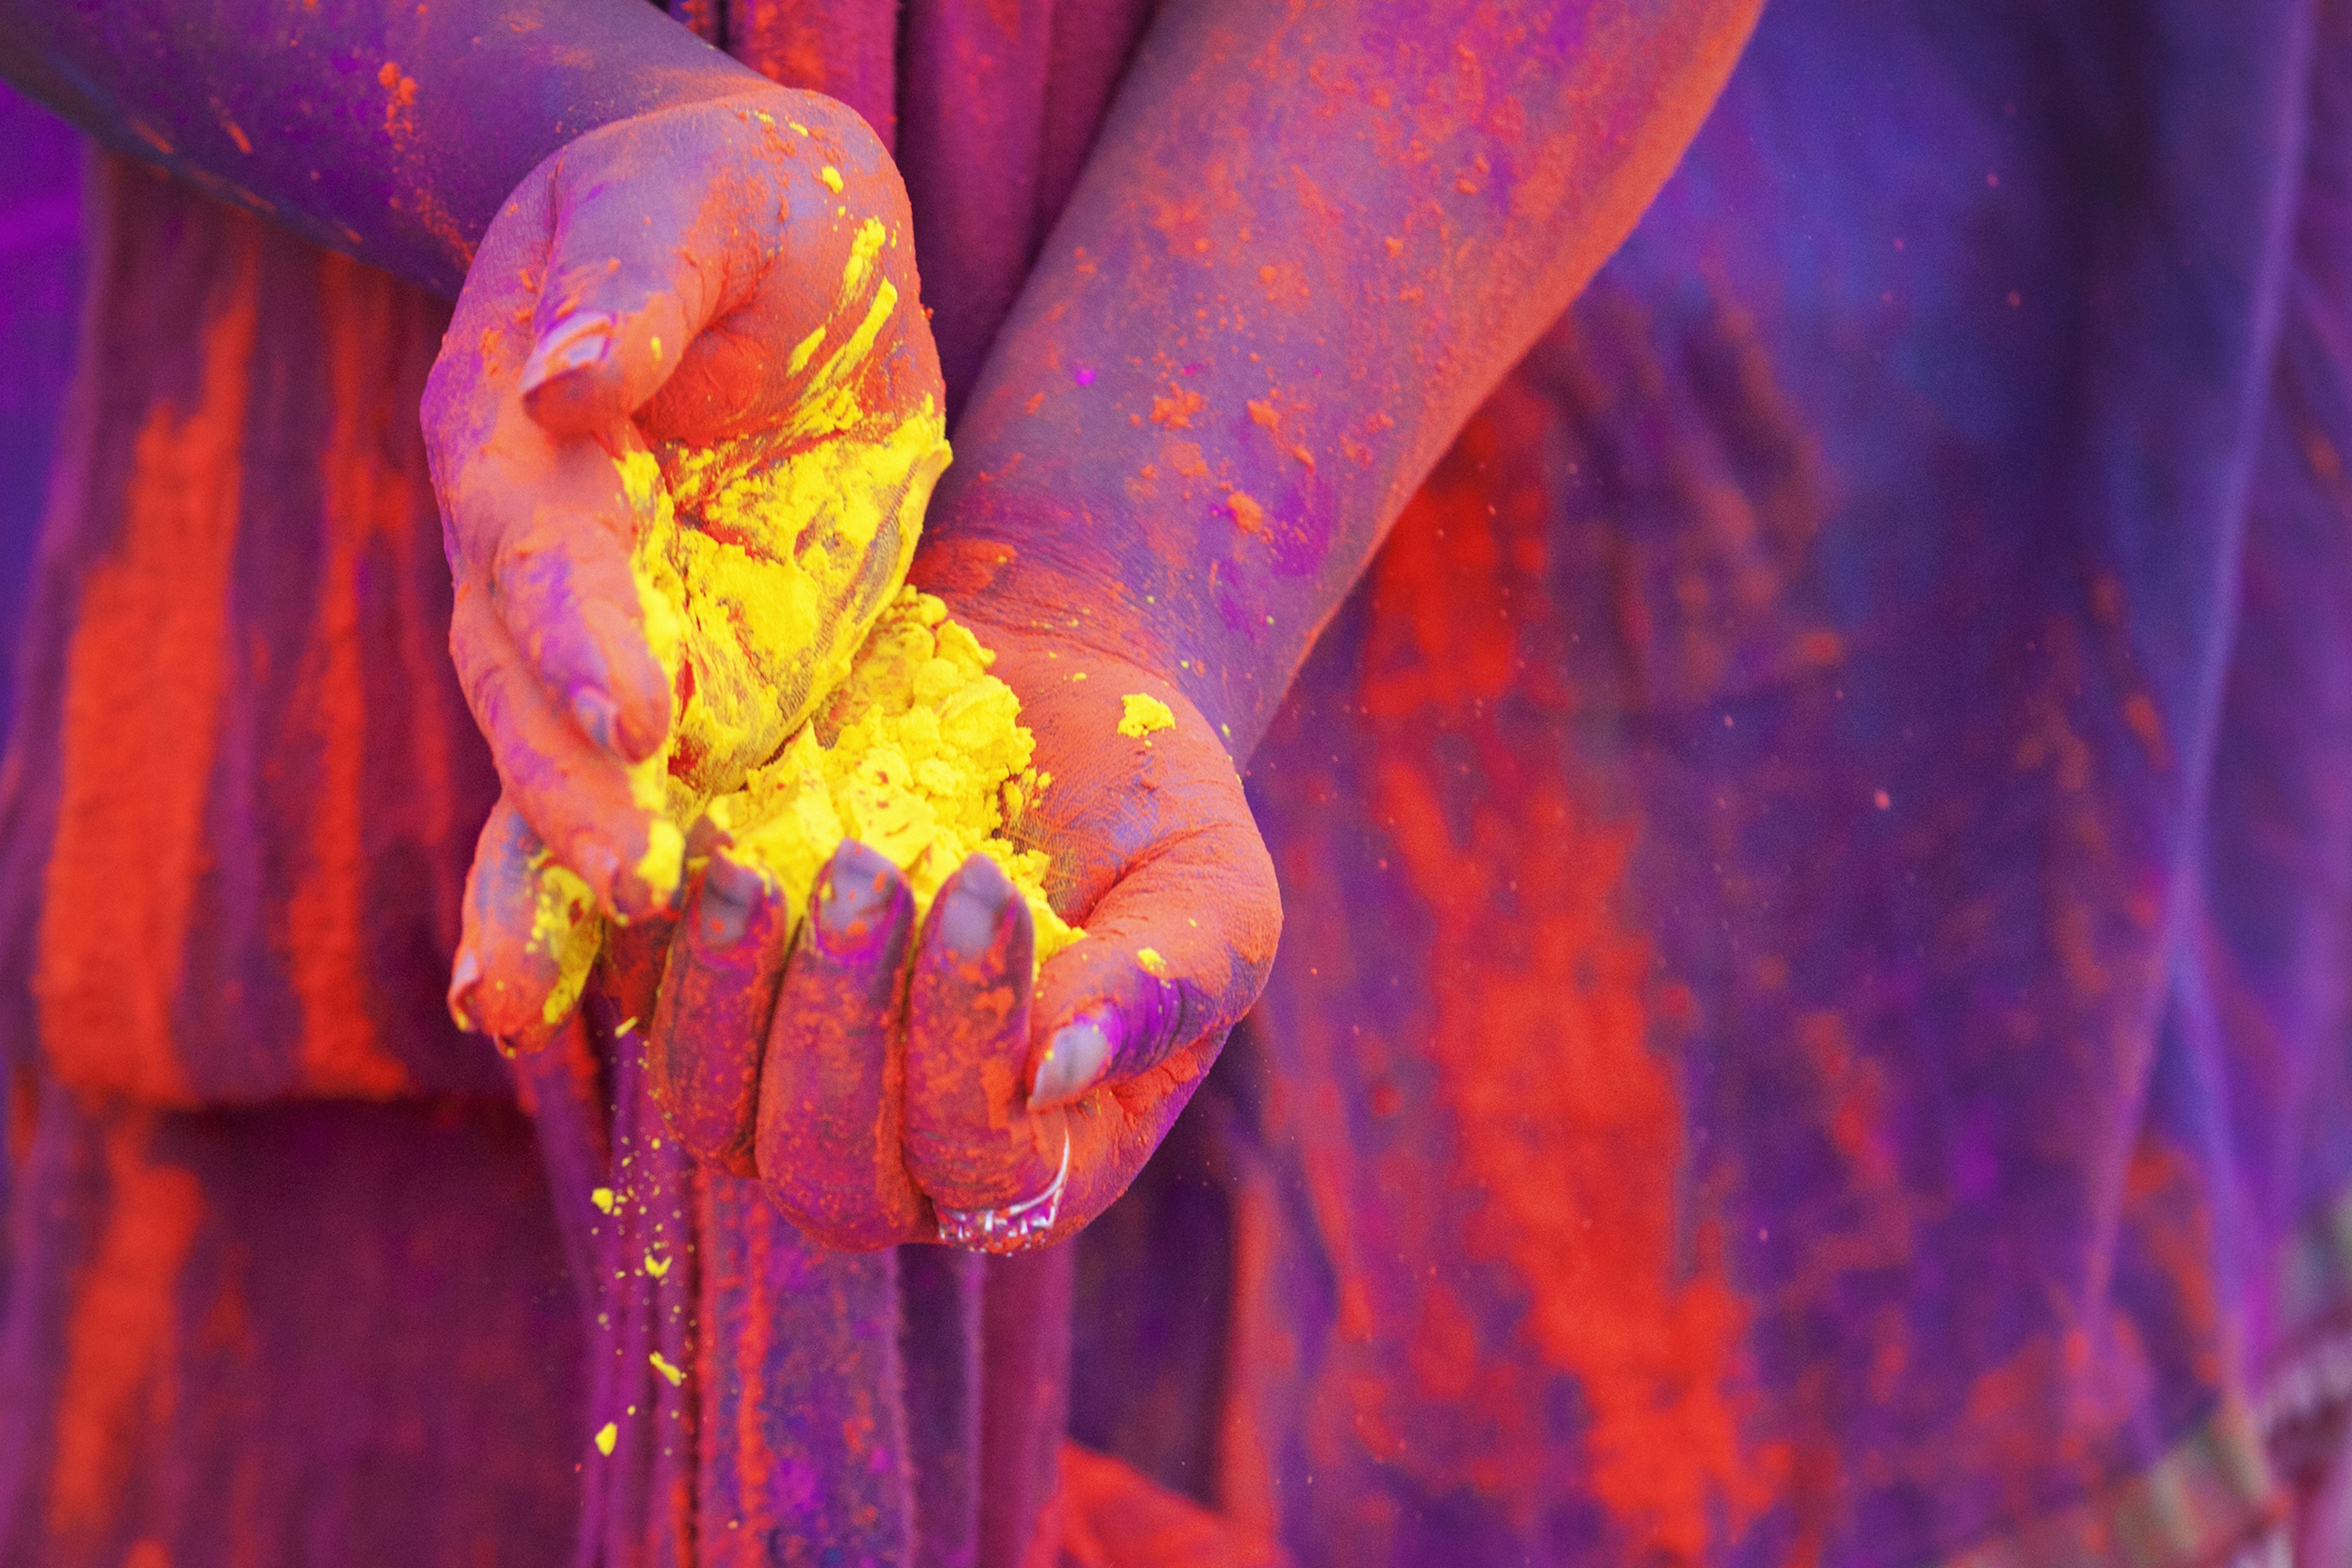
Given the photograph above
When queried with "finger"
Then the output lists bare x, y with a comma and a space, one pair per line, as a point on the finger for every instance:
575, 796
1176, 949
710, 1025
548, 524
563, 518
530, 933
830, 1093
969, 1141
636, 270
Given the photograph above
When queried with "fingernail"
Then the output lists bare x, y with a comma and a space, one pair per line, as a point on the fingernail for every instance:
597, 715
464, 976
967, 921
596, 865
567, 346
1074, 1057
633, 896
730, 893
854, 903
971, 907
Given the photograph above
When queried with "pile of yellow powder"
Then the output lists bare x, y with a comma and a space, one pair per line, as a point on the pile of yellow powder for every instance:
816, 696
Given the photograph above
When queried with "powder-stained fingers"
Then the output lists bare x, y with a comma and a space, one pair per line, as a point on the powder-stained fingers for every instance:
969, 1141
528, 938
829, 1150
710, 1025
575, 796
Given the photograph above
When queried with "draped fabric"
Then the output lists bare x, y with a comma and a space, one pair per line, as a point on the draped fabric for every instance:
1818, 868
1811, 1025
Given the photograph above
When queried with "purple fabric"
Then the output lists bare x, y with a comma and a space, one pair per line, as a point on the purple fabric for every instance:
40, 286
1812, 1017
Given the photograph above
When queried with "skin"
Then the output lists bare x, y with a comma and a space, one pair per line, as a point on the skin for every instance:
1308, 242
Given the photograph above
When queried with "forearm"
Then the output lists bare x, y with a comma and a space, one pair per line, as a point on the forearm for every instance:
391, 131
1310, 241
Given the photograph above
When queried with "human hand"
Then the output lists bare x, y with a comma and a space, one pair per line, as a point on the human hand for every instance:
731, 276
883, 1076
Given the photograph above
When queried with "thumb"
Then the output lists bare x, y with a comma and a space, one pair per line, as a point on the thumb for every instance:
1175, 951
637, 268
531, 930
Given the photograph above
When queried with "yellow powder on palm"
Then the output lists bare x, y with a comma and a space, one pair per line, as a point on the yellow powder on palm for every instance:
815, 697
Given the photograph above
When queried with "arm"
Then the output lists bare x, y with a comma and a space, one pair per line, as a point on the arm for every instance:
1309, 242
390, 132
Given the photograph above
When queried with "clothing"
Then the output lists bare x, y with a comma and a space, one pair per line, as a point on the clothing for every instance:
1810, 1021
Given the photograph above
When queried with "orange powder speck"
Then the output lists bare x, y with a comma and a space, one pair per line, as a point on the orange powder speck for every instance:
1176, 410
2140, 713
1248, 516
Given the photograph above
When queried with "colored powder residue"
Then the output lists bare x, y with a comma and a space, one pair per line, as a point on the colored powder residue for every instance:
564, 924
816, 699
927, 748
1143, 715
608, 1437
762, 561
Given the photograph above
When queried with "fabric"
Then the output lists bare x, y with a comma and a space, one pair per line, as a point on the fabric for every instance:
1812, 1019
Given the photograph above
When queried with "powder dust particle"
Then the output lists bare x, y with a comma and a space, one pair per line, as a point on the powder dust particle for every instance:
608, 1437
1153, 965
661, 1364
603, 1198
1144, 714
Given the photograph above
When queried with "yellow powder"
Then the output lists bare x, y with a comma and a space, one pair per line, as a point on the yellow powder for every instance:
564, 925
926, 752
608, 1437
1152, 961
770, 573
1143, 715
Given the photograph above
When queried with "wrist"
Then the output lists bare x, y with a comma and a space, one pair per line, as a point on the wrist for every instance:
1008, 584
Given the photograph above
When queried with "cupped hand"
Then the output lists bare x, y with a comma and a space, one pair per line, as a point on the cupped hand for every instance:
888, 1080
667, 279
